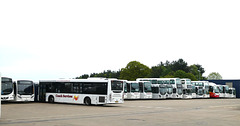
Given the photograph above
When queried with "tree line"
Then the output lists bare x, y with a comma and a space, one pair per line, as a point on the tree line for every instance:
135, 69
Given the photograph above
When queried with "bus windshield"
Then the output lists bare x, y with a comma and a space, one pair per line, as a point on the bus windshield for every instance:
135, 87
169, 90
163, 90
172, 81
117, 85
7, 88
147, 87
188, 81
25, 89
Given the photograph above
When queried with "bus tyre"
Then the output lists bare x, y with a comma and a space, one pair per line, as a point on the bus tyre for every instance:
87, 101
51, 99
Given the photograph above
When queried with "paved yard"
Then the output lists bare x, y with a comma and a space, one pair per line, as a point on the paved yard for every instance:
207, 112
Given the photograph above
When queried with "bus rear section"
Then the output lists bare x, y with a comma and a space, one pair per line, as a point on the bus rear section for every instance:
116, 92
7, 89
24, 90
81, 91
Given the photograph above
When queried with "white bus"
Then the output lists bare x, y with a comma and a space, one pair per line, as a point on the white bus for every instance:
174, 86
202, 88
145, 89
232, 93
24, 90
82, 91
226, 91
187, 88
177, 87
133, 90
198, 88
7, 91
159, 90
221, 93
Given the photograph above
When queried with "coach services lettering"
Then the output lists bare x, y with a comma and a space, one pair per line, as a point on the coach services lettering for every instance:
64, 96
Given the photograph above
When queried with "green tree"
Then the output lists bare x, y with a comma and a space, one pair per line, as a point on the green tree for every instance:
180, 65
84, 76
183, 74
214, 76
134, 70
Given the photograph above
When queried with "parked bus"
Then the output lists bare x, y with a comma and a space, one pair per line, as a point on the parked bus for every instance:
187, 88
82, 91
7, 91
226, 91
232, 93
213, 90
202, 88
24, 90
221, 93
198, 88
145, 89
159, 90
175, 89
133, 90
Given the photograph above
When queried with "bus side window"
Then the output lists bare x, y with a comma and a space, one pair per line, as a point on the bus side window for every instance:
174, 90
141, 87
128, 87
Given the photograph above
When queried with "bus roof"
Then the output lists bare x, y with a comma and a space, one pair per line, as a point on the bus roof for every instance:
78, 80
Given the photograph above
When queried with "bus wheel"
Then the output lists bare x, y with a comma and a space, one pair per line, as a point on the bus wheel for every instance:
51, 99
87, 101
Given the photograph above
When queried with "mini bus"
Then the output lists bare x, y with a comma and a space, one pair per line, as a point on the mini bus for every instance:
7, 91
145, 89
187, 88
98, 91
133, 90
213, 90
24, 90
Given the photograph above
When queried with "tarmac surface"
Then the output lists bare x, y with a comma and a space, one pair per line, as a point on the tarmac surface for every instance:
202, 112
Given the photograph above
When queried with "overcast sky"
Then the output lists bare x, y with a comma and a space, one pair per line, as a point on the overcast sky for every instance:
51, 39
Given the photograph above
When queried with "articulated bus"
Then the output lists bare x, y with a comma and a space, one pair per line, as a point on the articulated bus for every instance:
145, 89
213, 90
82, 91
7, 91
24, 90
187, 88
133, 90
